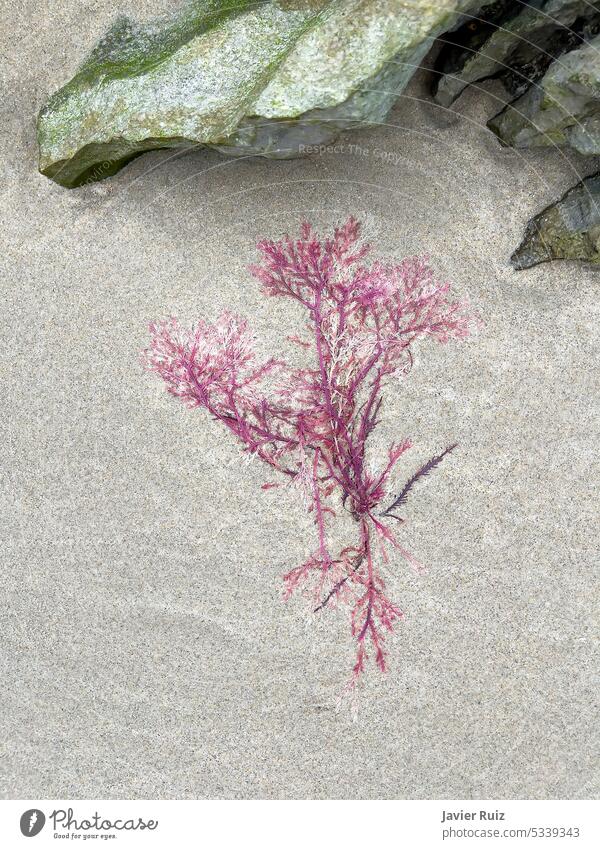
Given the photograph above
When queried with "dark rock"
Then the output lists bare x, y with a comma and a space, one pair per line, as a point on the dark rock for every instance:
568, 229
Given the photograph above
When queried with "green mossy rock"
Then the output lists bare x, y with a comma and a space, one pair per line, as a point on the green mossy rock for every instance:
568, 229
266, 78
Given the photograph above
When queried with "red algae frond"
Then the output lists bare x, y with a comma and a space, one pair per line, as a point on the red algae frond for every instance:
312, 424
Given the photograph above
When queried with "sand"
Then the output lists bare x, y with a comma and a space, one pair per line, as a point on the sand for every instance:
146, 652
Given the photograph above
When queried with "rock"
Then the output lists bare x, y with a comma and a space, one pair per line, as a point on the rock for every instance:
251, 78
563, 109
513, 41
568, 229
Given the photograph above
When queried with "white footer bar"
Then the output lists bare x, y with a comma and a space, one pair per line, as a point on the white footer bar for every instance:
286, 824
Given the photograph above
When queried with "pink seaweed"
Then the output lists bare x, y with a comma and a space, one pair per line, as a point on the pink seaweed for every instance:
312, 424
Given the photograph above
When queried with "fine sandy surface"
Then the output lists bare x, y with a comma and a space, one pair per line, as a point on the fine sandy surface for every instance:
146, 651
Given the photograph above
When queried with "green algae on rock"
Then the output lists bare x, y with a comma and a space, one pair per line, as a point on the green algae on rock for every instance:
257, 78
568, 229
